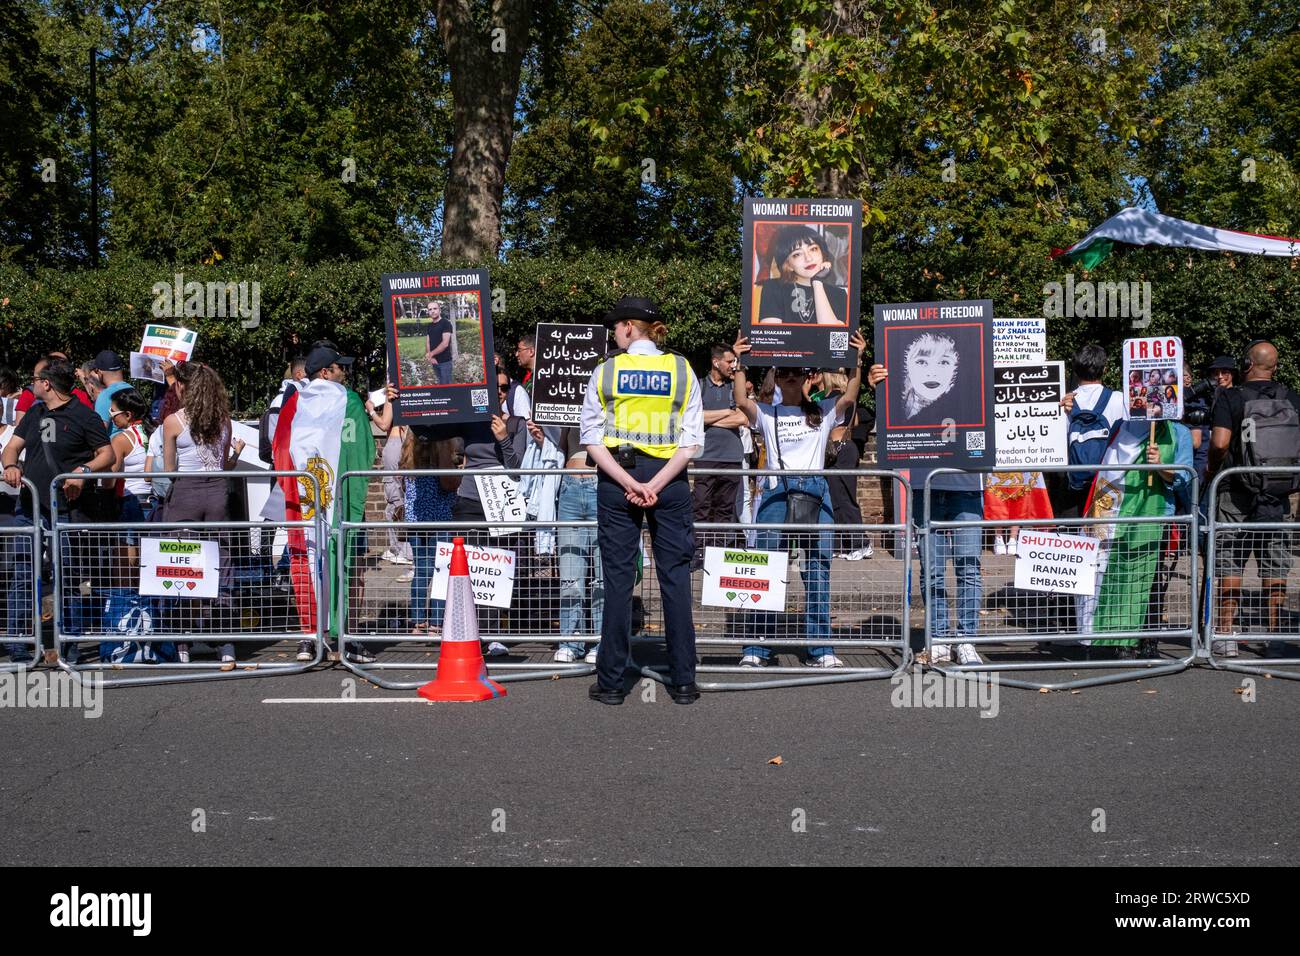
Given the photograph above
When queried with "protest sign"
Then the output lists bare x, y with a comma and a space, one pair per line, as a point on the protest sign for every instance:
1031, 424
1059, 563
502, 502
1153, 378
180, 569
1019, 341
158, 344
438, 327
491, 574
566, 356
935, 410
746, 580
800, 280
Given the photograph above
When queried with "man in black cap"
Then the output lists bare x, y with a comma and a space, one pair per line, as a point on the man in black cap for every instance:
1223, 372
642, 420
108, 368
324, 362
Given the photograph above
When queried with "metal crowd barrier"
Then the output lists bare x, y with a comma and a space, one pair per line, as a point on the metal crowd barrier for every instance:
1256, 611
867, 603
1016, 617
375, 604
97, 583
20, 600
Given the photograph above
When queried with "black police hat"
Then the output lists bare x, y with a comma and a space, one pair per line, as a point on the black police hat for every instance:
632, 307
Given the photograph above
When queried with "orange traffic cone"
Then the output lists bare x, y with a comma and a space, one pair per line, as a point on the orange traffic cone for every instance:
462, 675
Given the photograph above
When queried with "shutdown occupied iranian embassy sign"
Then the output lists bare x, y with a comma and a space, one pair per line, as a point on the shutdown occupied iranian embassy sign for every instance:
1059, 563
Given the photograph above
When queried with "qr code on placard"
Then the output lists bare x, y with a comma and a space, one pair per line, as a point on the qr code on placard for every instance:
839, 341
478, 396
974, 441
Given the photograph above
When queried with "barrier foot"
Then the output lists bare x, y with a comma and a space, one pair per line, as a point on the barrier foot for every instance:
846, 676
367, 672
1135, 672
1263, 669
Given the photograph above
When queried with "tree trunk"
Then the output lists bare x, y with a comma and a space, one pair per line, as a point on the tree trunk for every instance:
485, 60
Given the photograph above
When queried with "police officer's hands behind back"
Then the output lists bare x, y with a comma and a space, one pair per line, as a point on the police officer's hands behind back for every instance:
641, 495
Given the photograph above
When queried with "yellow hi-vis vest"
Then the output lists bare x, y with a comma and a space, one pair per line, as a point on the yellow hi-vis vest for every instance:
643, 397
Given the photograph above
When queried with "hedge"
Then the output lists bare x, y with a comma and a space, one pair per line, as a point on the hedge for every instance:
1216, 303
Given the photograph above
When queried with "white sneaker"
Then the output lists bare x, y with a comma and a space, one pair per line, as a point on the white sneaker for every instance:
999, 546
591, 655
388, 556
1224, 648
859, 554
966, 654
305, 651
565, 655
406, 576
497, 649
753, 660
1011, 545
183, 655
940, 654
401, 559
826, 660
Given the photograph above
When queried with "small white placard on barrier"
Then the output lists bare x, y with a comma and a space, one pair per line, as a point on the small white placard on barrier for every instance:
1059, 563
748, 580
491, 574
185, 569
502, 502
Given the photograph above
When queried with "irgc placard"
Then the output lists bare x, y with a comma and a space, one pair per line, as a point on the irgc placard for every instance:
491, 574
745, 580
181, 569
1153, 378
566, 356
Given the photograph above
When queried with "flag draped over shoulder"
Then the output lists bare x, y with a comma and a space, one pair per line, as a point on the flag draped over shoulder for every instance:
323, 430
1016, 496
1130, 553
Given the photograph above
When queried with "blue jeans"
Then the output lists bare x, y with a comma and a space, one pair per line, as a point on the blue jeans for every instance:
816, 561
579, 554
963, 548
424, 550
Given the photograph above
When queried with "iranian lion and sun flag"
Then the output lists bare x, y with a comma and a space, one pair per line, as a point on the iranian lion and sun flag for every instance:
322, 430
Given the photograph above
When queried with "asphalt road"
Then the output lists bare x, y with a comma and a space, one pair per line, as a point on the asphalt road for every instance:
1185, 771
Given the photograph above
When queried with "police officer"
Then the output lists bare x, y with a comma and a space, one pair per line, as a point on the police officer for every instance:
642, 420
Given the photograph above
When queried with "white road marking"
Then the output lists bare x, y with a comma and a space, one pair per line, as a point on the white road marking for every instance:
344, 700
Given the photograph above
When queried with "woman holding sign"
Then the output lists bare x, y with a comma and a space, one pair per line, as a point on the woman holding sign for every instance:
796, 432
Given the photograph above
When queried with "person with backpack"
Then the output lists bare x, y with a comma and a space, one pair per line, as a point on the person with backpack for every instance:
1094, 410
1273, 439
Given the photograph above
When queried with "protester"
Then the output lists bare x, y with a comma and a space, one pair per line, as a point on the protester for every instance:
526, 356
957, 497
713, 497
197, 440
28, 396
109, 374
844, 454
295, 377
427, 498
796, 431
74, 441
89, 380
1128, 596
127, 410
1093, 410
1274, 412
154, 461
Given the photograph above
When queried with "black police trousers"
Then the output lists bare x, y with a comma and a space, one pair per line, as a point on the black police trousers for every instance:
618, 530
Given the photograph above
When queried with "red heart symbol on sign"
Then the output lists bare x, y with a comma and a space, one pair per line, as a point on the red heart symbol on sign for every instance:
756, 597
190, 585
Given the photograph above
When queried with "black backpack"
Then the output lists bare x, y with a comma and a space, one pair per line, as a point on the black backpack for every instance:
1275, 441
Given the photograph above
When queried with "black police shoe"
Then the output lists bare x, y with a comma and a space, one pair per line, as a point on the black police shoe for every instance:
684, 693
596, 692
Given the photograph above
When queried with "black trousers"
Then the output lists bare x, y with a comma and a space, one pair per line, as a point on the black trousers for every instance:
844, 498
619, 524
713, 498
